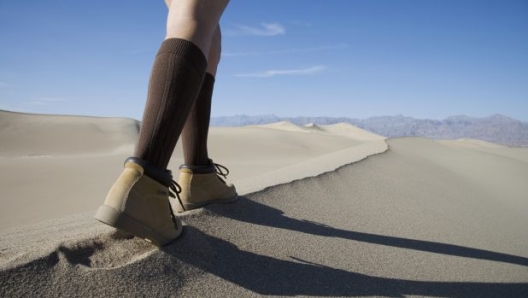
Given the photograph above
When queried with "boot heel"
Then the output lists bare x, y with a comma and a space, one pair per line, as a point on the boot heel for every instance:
120, 220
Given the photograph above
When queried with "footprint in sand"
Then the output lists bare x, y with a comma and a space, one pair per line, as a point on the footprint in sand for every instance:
107, 251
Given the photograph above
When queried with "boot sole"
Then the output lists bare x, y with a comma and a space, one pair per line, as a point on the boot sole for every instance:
121, 221
192, 206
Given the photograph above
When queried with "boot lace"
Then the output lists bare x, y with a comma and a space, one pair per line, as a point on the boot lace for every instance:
174, 191
221, 171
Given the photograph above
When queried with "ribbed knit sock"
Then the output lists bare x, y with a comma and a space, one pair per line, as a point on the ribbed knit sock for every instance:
176, 78
196, 129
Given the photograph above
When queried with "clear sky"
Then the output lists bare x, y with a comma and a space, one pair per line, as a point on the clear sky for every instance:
423, 58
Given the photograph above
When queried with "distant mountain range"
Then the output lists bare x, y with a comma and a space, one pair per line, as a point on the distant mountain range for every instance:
496, 128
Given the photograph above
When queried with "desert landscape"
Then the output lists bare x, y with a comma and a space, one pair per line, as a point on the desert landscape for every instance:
324, 210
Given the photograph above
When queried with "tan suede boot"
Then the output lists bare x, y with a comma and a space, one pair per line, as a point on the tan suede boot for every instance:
201, 185
140, 205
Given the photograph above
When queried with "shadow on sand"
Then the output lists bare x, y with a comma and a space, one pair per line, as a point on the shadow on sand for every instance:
270, 276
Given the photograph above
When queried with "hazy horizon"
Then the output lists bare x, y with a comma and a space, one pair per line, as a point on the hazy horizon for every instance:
275, 115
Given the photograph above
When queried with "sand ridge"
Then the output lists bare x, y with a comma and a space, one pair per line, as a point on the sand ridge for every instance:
395, 224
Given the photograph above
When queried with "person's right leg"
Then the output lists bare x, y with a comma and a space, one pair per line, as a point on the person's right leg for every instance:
196, 129
138, 200
198, 177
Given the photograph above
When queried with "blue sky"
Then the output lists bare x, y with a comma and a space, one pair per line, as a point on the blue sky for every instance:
424, 59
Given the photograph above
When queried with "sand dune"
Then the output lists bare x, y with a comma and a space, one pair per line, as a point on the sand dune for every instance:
487, 147
48, 135
312, 126
348, 130
283, 125
425, 218
339, 129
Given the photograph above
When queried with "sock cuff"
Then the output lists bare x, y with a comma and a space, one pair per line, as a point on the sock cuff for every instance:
208, 82
162, 176
186, 49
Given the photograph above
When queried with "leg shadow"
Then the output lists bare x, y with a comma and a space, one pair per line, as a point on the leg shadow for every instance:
250, 211
269, 276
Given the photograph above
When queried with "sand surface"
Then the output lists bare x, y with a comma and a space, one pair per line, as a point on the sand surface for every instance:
424, 218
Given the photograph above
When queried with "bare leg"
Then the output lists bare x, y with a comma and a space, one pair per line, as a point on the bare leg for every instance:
215, 51
195, 20
211, 45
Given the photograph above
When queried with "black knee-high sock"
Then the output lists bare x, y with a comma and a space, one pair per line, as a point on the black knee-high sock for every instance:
175, 81
196, 129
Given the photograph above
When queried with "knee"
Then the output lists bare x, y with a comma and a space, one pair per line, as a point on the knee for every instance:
215, 50
194, 17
